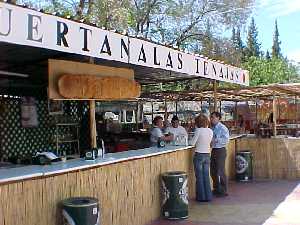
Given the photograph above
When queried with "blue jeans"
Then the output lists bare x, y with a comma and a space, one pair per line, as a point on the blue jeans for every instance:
201, 167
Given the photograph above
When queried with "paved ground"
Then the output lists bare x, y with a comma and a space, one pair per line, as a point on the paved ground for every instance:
247, 204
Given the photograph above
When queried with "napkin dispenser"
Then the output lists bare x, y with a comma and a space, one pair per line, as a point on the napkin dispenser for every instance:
91, 154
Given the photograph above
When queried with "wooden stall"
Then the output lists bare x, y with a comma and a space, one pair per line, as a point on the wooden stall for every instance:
128, 189
280, 99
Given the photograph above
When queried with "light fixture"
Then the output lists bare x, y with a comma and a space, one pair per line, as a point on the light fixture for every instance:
13, 74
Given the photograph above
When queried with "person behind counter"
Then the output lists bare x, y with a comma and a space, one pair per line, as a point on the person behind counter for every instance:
202, 140
176, 129
218, 155
156, 132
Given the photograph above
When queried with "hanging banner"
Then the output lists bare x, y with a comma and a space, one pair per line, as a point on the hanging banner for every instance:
32, 28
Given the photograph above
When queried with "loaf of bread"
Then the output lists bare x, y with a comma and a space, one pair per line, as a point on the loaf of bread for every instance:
94, 87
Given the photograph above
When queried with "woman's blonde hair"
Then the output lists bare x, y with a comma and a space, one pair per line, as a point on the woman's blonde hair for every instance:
202, 121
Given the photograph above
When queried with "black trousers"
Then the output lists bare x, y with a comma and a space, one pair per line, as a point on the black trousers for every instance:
217, 170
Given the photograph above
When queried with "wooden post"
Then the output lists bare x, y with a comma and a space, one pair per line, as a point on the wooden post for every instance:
152, 110
137, 115
256, 115
296, 106
236, 115
166, 110
93, 131
274, 116
278, 116
201, 106
215, 95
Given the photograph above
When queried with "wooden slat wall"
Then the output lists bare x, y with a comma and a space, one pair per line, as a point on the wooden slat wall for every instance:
230, 160
128, 192
273, 158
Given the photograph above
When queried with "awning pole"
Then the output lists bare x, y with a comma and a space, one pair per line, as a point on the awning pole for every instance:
215, 95
274, 116
137, 115
93, 131
152, 117
166, 110
296, 104
256, 115
236, 114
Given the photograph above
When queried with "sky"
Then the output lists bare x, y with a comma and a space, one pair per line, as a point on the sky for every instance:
287, 13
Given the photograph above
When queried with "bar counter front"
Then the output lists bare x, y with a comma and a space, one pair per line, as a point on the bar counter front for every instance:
273, 158
127, 185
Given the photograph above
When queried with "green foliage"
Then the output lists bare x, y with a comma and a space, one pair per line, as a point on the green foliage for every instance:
275, 70
110, 14
174, 22
207, 48
253, 46
237, 51
276, 51
268, 57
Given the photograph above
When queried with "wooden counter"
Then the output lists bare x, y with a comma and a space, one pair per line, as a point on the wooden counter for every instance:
128, 189
273, 158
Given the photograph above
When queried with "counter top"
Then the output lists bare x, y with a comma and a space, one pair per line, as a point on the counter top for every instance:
235, 136
36, 171
285, 137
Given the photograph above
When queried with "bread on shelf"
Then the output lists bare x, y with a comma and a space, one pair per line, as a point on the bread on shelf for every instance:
96, 87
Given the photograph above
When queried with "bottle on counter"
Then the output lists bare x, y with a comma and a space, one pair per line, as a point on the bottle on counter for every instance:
64, 156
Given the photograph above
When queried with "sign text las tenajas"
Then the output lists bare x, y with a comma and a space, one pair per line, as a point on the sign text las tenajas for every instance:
32, 28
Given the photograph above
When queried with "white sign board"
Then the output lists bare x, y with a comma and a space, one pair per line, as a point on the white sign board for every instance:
28, 27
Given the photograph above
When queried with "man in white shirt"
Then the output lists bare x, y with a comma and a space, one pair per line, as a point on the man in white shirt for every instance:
156, 132
176, 129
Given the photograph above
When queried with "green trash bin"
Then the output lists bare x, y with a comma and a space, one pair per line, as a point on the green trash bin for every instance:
81, 211
175, 195
243, 166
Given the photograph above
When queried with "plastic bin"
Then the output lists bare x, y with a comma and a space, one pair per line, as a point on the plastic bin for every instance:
175, 195
81, 211
243, 166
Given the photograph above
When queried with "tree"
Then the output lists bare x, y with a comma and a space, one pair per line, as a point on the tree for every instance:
238, 40
207, 48
275, 70
237, 51
110, 14
276, 51
253, 46
142, 15
268, 57
173, 22
184, 22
